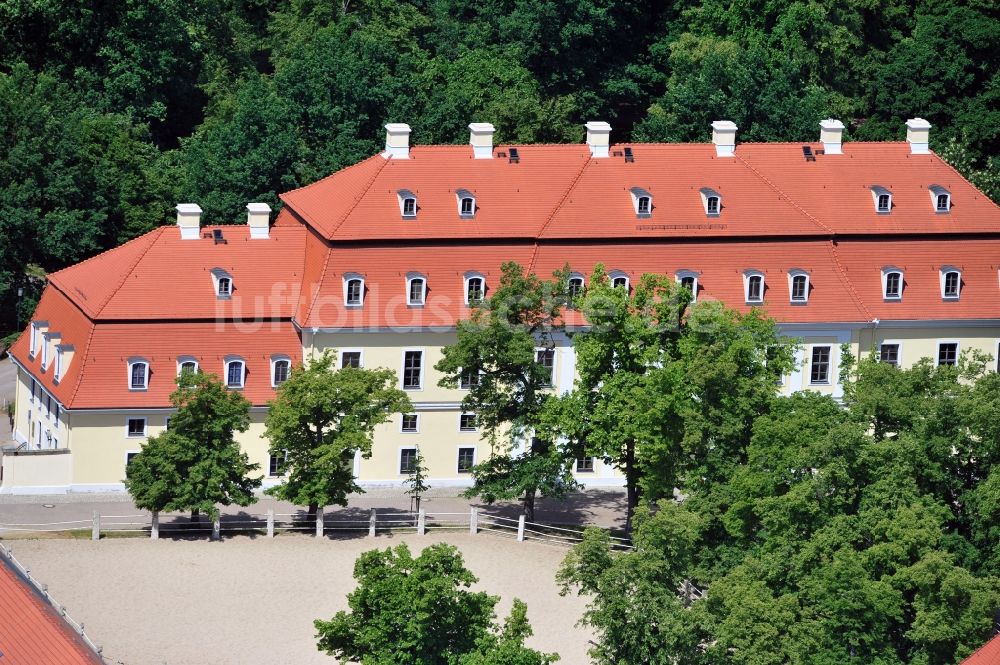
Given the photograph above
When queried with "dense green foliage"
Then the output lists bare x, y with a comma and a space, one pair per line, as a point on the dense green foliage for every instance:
419, 611
320, 420
112, 113
196, 464
832, 535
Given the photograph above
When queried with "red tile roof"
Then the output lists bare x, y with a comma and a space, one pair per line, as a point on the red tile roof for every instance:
988, 654
31, 633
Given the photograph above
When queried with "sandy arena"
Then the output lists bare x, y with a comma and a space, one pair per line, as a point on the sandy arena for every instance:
253, 600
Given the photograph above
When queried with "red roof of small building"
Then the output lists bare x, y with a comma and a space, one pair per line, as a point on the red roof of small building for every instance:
988, 654
31, 633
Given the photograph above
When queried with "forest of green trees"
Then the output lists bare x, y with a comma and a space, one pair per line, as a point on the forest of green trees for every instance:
114, 112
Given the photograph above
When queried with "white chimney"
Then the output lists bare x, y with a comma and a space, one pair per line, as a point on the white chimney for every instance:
598, 138
918, 132
481, 139
259, 220
831, 135
724, 137
397, 141
189, 220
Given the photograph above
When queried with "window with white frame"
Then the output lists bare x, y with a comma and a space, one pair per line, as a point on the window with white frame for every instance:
469, 379
129, 456
235, 372
57, 365
410, 423
407, 203
138, 374
475, 288
350, 359
223, 283
711, 201
947, 353
45, 351
798, 286
619, 279
276, 464
753, 286
688, 279
584, 464
546, 359
407, 460
575, 285
888, 352
466, 203
642, 202
819, 367
940, 199
882, 199
281, 368
467, 422
135, 427
951, 283
466, 459
354, 290
412, 370
892, 284
33, 339
186, 364
416, 289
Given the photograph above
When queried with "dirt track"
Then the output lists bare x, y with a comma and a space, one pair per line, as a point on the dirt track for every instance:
252, 600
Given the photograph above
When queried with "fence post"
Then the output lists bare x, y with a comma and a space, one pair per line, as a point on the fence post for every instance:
319, 522
154, 525
371, 524
520, 528
217, 528
95, 531
270, 522
421, 522
473, 521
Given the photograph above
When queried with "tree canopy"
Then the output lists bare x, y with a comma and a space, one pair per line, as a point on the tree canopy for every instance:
112, 115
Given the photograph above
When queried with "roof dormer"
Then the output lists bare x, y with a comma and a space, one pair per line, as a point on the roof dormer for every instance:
711, 201
466, 203
882, 198
222, 283
407, 203
940, 199
642, 202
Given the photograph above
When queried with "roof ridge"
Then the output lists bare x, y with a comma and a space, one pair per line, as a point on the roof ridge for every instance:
966, 180
159, 232
361, 195
557, 208
317, 287
782, 194
982, 648
848, 283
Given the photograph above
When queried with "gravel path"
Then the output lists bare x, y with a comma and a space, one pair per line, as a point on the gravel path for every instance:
252, 600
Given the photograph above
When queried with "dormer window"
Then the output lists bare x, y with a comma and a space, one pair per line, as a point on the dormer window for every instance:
619, 280
45, 351
892, 284
951, 283
798, 286
138, 374
711, 201
475, 288
753, 287
416, 290
235, 372
575, 285
688, 279
186, 364
281, 368
407, 203
223, 283
354, 290
642, 202
466, 203
883, 200
940, 199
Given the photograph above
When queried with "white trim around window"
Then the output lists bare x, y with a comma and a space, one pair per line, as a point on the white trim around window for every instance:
798, 296
399, 459
287, 368
133, 384
466, 202
748, 276
407, 210
681, 275
619, 276
354, 297
886, 294
939, 196
642, 202
226, 366
467, 279
341, 352
898, 343
458, 457
222, 283
942, 342
416, 422
576, 284
953, 290
882, 199
827, 376
711, 202
184, 360
402, 365
410, 300
128, 427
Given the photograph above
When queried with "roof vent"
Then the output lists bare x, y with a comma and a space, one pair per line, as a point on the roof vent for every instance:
598, 138
515, 157
724, 137
189, 220
481, 139
397, 141
217, 237
259, 220
629, 157
918, 132
807, 152
831, 134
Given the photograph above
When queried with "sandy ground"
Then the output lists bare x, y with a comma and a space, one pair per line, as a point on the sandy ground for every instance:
252, 600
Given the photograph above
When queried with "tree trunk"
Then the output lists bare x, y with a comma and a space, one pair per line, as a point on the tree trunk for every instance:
313, 508
195, 518
528, 507
631, 487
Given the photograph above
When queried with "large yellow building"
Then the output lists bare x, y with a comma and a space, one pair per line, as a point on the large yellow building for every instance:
880, 246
